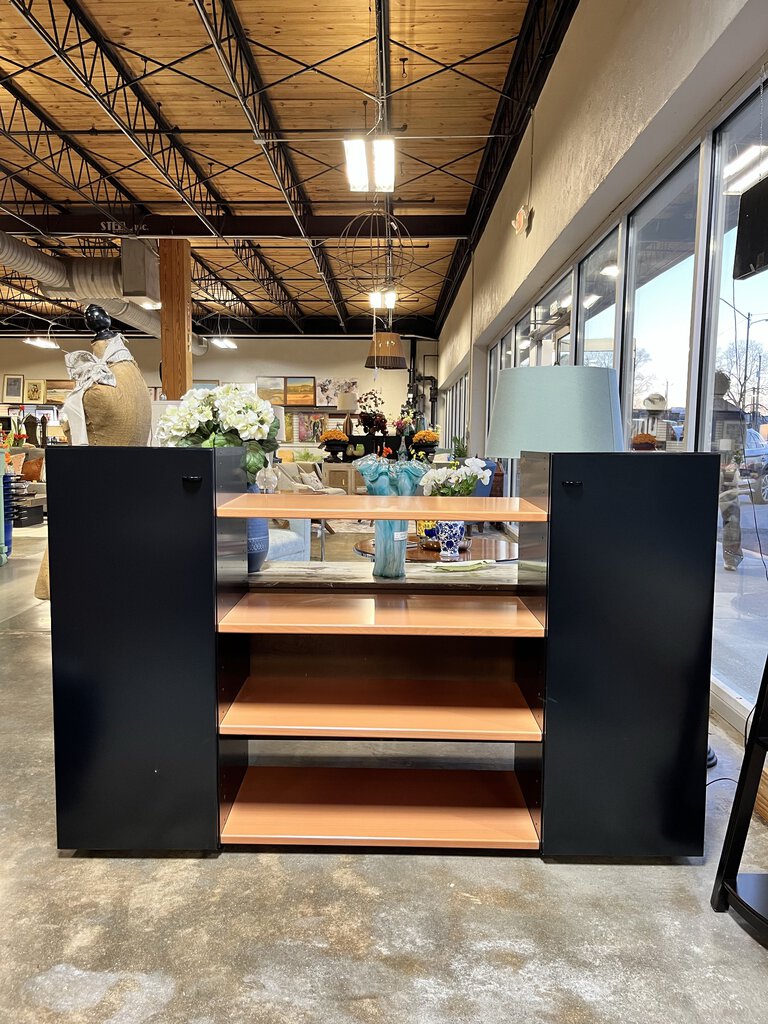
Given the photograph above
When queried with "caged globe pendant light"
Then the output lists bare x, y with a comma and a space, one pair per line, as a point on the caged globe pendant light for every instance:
376, 253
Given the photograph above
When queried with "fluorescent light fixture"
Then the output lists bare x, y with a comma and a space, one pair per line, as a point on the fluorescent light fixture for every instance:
610, 270
750, 155
752, 176
357, 165
384, 164
390, 298
377, 153
41, 342
149, 304
590, 300
223, 343
376, 299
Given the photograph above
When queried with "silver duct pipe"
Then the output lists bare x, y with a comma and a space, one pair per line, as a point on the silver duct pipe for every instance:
97, 279
17, 255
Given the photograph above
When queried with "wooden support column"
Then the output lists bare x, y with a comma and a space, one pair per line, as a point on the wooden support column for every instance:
176, 315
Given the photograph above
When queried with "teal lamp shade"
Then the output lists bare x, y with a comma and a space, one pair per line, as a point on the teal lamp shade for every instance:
555, 409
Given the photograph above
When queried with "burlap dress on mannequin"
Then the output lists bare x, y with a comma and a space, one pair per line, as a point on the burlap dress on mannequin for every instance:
114, 416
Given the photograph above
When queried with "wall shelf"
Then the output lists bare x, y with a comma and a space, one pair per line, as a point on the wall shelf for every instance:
487, 710
397, 614
380, 807
366, 506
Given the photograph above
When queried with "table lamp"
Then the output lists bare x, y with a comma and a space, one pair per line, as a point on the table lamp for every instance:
555, 409
347, 402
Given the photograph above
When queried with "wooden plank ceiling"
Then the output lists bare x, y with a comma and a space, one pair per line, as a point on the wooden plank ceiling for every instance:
317, 60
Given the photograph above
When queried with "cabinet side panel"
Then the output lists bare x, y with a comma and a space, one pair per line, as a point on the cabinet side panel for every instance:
631, 574
132, 550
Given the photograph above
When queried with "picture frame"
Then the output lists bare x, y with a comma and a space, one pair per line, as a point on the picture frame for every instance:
300, 391
310, 426
271, 389
205, 385
57, 391
13, 388
34, 392
328, 389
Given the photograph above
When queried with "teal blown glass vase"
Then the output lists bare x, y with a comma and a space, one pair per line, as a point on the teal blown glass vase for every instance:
383, 477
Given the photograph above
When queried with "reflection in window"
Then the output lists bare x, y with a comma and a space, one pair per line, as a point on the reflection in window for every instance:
523, 342
599, 289
737, 413
662, 234
549, 333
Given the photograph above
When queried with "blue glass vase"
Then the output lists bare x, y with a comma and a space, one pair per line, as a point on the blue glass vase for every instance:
383, 477
258, 538
450, 536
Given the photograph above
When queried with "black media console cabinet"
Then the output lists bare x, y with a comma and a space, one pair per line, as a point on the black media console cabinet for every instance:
591, 659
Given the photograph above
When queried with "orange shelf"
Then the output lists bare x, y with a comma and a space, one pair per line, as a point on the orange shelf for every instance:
367, 506
380, 807
482, 710
397, 614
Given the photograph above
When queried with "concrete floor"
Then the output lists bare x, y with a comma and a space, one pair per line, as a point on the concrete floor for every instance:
328, 938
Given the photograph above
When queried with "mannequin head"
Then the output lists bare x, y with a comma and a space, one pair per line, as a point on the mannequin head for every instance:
99, 321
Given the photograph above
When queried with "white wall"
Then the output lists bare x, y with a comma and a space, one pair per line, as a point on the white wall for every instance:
632, 80
255, 357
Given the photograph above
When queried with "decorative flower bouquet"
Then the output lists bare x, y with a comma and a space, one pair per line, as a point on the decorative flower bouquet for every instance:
224, 417
426, 437
455, 481
333, 435
405, 424
370, 416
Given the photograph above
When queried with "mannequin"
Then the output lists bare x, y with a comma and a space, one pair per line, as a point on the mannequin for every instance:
110, 404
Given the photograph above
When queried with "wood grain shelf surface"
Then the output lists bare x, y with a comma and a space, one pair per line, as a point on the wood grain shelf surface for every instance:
481, 710
380, 807
398, 614
367, 506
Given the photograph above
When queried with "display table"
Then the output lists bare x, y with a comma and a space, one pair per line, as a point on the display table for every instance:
494, 549
589, 659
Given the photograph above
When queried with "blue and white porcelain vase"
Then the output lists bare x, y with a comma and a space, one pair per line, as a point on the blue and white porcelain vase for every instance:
450, 536
258, 538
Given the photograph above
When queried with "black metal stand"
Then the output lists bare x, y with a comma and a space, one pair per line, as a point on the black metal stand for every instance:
746, 894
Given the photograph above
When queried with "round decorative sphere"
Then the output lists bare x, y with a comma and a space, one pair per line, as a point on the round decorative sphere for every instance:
375, 250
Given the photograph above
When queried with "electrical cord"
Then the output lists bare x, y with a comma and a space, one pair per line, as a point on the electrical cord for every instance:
723, 778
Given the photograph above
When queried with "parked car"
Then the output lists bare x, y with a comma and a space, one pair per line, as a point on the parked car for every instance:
754, 469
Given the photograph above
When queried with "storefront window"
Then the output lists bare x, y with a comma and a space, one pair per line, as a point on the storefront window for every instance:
494, 364
660, 271
736, 420
550, 326
522, 354
599, 291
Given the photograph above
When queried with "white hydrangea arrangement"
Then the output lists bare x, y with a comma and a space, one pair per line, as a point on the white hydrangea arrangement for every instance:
453, 480
222, 417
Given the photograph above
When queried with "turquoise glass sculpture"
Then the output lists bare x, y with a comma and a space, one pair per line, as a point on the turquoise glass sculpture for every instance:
384, 477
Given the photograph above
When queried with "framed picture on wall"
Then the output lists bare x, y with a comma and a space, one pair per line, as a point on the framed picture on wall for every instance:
328, 389
34, 392
57, 391
271, 389
13, 388
205, 385
311, 426
300, 391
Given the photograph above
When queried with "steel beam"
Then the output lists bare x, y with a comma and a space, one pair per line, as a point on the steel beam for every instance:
80, 46
229, 227
230, 42
544, 26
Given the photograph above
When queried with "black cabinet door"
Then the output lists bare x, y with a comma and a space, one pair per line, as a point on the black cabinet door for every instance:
132, 550
630, 594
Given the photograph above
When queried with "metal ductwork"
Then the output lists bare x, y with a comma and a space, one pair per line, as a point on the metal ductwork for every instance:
17, 255
97, 279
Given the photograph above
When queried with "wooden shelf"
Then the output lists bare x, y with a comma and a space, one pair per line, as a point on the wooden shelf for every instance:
397, 614
380, 807
483, 710
367, 506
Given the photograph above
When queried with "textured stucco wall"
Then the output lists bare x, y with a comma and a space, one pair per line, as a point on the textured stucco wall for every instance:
631, 81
